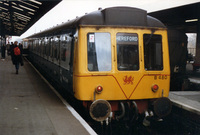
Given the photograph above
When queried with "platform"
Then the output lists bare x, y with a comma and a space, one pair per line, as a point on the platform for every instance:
29, 106
194, 77
187, 100
194, 80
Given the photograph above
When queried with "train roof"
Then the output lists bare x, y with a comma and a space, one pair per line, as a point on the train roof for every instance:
114, 16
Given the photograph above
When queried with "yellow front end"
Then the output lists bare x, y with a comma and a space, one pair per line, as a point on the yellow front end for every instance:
119, 76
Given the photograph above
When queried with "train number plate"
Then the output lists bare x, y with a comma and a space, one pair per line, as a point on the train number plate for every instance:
160, 77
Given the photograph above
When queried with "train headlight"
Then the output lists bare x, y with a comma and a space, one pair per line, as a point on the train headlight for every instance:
99, 89
154, 88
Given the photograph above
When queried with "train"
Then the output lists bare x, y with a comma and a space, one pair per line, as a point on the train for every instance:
114, 61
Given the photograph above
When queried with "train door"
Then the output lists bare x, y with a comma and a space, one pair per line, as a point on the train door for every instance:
66, 43
128, 62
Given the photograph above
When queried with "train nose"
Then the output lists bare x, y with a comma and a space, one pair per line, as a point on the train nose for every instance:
162, 107
100, 110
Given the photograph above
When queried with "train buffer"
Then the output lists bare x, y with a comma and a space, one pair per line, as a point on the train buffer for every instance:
29, 106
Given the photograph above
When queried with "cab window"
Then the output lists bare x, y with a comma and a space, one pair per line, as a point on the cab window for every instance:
99, 51
127, 51
153, 56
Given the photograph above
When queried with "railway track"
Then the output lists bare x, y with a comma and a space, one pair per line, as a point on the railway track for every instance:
179, 122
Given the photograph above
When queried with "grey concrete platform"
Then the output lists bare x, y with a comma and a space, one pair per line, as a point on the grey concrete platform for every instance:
194, 80
194, 77
188, 100
28, 106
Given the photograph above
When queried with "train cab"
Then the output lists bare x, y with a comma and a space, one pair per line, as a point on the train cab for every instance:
122, 62
130, 60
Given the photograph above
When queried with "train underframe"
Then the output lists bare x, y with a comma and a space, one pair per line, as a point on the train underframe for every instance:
129, 110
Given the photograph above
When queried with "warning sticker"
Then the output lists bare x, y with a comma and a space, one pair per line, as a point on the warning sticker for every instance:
91, 38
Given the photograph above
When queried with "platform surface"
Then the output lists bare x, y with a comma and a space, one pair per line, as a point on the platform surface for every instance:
188, 100
194, 80
28, 106
194, 77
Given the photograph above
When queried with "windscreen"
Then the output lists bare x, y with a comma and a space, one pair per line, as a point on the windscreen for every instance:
153, 56
99, 51
127, 51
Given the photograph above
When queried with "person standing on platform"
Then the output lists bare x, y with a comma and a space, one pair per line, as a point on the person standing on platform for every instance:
3, 52
8, 48
11, 51
17, 56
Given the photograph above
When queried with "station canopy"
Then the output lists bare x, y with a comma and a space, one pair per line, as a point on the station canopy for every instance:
18, 16
184, 18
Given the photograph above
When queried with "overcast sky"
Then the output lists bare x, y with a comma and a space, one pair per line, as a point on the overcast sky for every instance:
69, 9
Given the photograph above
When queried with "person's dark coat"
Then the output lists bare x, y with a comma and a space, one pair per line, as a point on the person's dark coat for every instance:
3, 51
17, 58
12, 51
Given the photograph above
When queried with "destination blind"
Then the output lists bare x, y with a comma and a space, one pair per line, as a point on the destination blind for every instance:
127, 38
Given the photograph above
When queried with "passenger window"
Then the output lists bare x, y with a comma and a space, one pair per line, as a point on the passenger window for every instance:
65, 48
99, 51
39, 47
45, 46
51, 48
127, 51
153, 56
48, 47
56, 48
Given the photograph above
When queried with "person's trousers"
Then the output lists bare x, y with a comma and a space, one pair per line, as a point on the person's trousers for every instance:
17, 66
